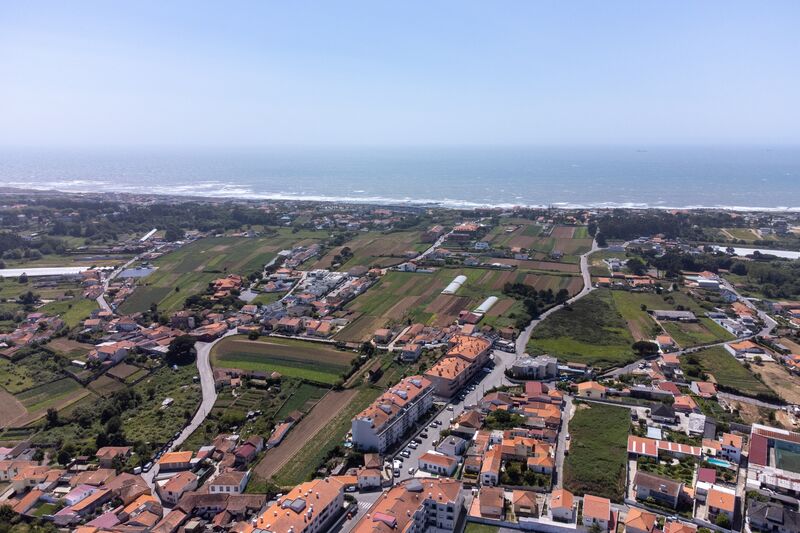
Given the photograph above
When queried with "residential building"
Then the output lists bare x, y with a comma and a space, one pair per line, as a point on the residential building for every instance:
524, 503
176, 486
639, 521
562, 505
310, 507
452, 446
392, 414
663, 490
720, 501
770, 517
415, 506
596, 511
438, 463
490, 469
466, 356
591, 389
232, 482
491, 501
175, 461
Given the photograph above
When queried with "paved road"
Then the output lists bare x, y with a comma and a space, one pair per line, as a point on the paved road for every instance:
488, 381
101, 300
561, 445
209, 392
522, 339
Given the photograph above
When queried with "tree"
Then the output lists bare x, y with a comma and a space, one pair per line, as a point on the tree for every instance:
723, 521
636, 265
173, 234
181, 351
645, 348
63, 457
51, 417
23, 278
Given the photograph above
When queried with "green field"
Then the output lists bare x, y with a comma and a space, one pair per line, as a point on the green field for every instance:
642, 326
726, 371
72, 312
148, 421
304, 463
54, 394
38, 368
376, 249
318, 362
598, 451
402, 296
590, 331
302, 399
192, 267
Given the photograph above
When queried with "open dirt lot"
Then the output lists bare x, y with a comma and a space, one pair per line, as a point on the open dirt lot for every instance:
777, 378
12, 409
304, 432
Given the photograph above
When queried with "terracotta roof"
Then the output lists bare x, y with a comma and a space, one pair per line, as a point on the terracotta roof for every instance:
562, 499
641, 520
175, 457
721, 500
596, 507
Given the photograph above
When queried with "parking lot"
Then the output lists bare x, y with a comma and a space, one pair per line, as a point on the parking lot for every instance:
484, 381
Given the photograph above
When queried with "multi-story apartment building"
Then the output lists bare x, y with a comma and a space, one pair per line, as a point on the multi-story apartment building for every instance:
416, 506
390, 416
466, 356
310, 507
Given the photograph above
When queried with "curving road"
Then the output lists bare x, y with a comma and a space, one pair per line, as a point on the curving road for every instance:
209, 392
524, 337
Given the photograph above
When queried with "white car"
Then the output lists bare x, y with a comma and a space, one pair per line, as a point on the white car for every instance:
414, 445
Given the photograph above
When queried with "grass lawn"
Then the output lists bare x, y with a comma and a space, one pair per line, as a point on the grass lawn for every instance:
590, 331
306, 462
267, 298
472, 527
72, 312
598, 451
313, 361
694, 334
725, 370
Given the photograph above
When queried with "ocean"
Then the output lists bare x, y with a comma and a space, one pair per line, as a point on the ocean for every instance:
660, 177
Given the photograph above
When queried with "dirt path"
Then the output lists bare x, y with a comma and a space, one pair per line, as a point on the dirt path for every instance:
304, 432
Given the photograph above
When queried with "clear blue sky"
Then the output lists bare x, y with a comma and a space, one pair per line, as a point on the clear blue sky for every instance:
407, 73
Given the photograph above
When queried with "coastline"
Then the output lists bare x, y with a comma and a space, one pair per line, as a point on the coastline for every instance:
240, 194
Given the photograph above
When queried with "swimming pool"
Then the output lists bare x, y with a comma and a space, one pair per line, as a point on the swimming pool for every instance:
719, 462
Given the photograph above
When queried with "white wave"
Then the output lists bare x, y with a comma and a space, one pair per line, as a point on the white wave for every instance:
237, 191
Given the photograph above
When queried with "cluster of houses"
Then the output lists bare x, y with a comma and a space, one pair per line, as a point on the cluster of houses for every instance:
190, 490
35, 328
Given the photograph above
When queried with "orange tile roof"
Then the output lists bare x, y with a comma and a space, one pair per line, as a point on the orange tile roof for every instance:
175, 457
562, 499
641, 520
438, 459
394, 511
596, 507
279, 516
735, 441
721, 500
468, 348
